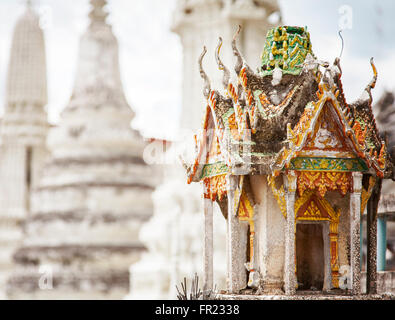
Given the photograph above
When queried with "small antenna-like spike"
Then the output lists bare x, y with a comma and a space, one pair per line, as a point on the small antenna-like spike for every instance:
341, 37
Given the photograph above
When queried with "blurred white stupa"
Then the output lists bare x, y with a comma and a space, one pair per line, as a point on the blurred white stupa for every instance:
95, 191
23, 133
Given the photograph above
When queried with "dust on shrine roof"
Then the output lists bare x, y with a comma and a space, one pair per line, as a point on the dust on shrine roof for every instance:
291, 114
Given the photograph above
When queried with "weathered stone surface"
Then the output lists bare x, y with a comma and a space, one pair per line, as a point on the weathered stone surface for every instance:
310, 296
270, 244
385, 282
355, 215
237, 244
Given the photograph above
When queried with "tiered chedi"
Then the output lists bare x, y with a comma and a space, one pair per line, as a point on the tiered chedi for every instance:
95, 192
23, 133
177, 206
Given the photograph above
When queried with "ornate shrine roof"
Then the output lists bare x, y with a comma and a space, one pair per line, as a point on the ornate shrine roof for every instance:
292, 114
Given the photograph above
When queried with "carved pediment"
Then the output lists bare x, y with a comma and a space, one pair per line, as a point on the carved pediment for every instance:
327, 134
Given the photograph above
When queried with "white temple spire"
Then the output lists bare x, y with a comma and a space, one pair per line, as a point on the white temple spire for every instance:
98, 80
26, 78
24, 129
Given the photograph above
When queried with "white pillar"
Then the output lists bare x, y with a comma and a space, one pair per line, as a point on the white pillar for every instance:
208, 279
237, 243
355, 216
269, 248
289, 268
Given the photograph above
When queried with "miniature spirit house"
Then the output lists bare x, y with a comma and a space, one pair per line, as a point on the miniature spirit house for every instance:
292, 166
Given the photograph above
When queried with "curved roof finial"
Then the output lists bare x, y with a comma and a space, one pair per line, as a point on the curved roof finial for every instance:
221, 66
207, 86
239, 63
372, 82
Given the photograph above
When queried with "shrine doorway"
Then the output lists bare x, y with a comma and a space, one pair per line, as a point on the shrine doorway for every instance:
312, 255
316, 241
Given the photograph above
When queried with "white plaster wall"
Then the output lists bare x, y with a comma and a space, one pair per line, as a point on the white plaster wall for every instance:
269, 231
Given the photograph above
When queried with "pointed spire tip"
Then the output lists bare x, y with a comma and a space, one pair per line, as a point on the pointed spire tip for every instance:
98, 14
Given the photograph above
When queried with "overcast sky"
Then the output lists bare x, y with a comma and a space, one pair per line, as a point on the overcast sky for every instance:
150, 55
